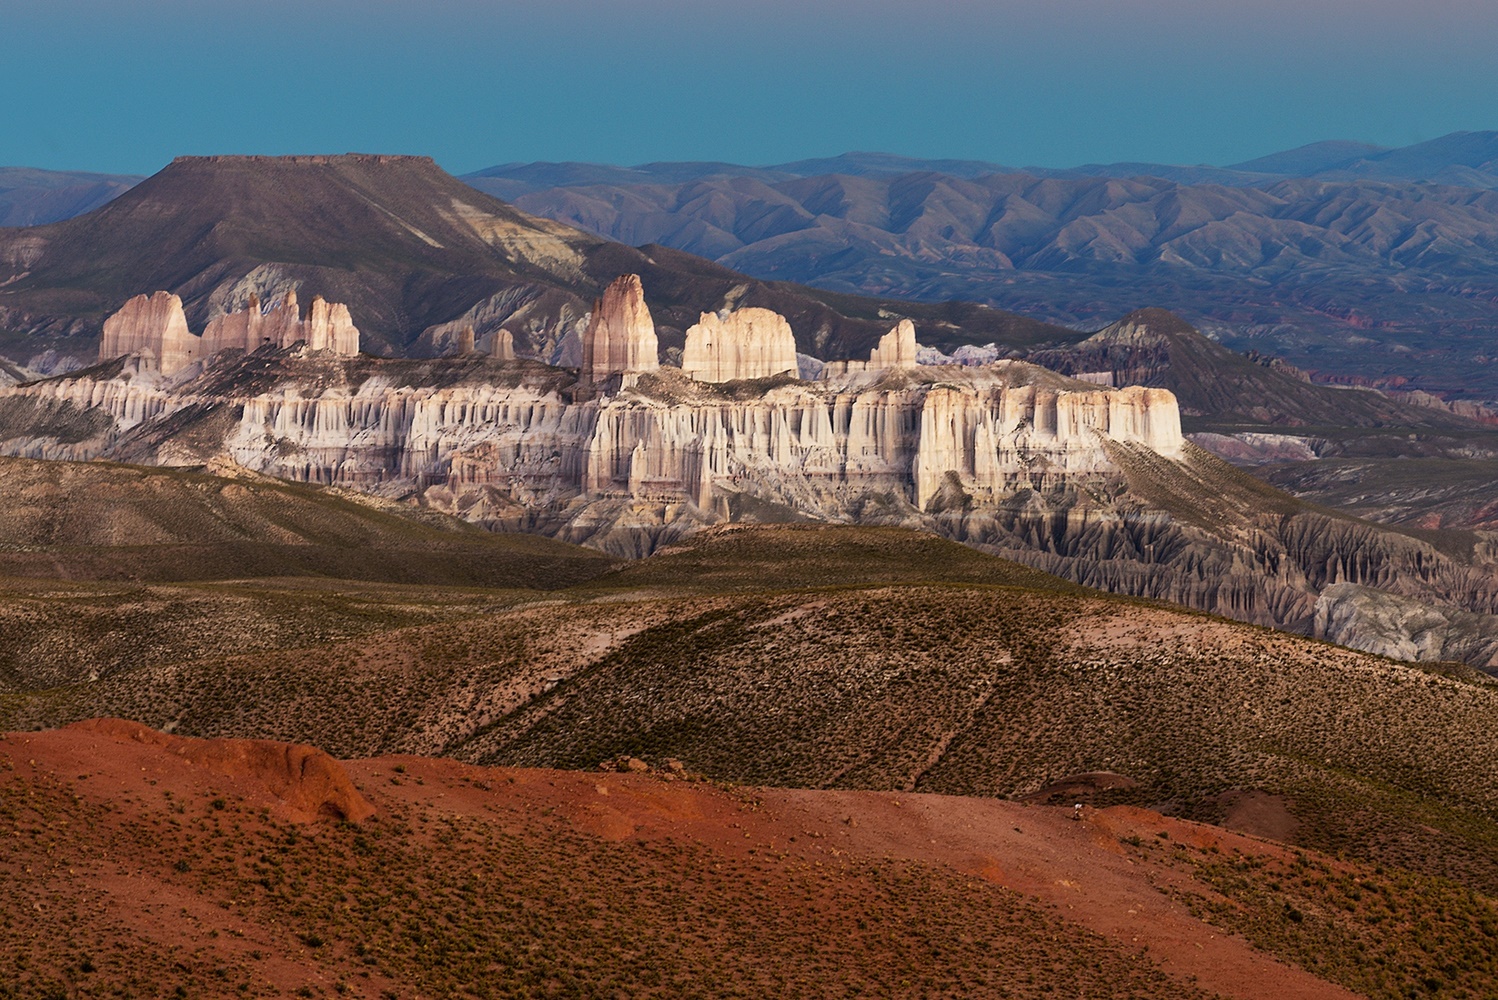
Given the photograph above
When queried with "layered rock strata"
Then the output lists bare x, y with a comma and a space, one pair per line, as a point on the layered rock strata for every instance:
1093, 484
620, 338
742, 344
154, 329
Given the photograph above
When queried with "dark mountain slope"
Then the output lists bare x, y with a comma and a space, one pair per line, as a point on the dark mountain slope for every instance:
399, 240
30, 197
1222, 389
414, 252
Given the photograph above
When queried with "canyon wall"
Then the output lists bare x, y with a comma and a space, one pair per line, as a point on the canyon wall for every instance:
1093, 484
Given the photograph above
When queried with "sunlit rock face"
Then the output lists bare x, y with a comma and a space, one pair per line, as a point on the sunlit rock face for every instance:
743, 344
518, 427
620, 338
154, 329
896, 349
1091, 483
503, 347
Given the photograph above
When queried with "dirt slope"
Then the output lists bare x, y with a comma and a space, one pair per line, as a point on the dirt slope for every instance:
131, 861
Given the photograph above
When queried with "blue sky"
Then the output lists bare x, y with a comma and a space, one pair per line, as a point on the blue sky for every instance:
116, 86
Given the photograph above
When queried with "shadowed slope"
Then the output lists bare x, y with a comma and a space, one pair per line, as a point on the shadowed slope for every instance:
97, 521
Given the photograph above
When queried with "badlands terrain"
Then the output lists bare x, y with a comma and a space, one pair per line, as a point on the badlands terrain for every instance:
796, 760
416, 597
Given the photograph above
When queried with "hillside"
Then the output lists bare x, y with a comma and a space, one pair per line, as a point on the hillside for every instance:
1222, 389
866, 706
509, 883
102, 521
415, 253
1381, 271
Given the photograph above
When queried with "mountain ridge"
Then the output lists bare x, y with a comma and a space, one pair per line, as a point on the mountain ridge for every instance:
415, 254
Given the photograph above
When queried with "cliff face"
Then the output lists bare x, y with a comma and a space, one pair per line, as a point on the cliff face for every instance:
896, 349
154, 329
744, 344
1093, 484
620, 338
815, 448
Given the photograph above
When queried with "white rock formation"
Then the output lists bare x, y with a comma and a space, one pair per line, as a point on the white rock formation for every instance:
155, 329
896, 349
743, 344
620, 339
814, 446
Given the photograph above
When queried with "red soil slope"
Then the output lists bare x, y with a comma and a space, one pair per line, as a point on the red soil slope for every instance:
134, 861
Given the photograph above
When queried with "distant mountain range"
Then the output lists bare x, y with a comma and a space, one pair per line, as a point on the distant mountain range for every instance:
1343, 257
1461, 159
31, 197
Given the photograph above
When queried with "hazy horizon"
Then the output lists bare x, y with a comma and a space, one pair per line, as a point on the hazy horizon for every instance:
473, 84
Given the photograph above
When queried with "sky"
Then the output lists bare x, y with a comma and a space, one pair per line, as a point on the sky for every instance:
124, 86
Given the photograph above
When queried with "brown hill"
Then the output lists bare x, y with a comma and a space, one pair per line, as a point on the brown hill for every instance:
411, 250
101, 521
958, 688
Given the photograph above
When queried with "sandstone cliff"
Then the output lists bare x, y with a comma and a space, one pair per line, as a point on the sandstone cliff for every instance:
503, 347
154, 328
742, 344
620, 338
896, 349
1091, 483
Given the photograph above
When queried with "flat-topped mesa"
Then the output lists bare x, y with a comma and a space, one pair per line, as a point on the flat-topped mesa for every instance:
896, 349
620, 339
743, 344
155, 329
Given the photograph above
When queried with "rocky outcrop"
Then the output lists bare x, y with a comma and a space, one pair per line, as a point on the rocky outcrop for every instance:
742, 344
304, 783
896, 349
503, 347
1376, 621
154, 329
1093, 484
620, 338
327, 327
